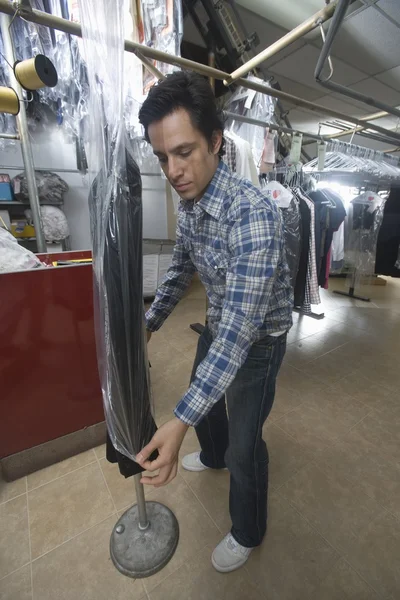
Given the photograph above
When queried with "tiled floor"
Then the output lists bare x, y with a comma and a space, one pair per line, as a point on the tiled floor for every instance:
334, 506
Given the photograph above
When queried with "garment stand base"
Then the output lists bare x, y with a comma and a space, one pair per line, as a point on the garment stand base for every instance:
350, 294
312, 315
197, 327
141, 553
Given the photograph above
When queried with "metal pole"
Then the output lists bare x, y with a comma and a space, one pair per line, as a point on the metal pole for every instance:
313, 136
373, 117
141, 503
22, 127
9, 136
340, 12
264, 89
320, 17
48, 20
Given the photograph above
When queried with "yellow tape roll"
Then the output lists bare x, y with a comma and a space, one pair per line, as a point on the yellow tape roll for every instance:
35, 73
9, 101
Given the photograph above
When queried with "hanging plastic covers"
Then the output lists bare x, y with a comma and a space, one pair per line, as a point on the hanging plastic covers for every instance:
116, 223
160, 25
255, 105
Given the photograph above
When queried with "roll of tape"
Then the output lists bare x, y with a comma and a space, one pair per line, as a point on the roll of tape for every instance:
9, 101
35, 73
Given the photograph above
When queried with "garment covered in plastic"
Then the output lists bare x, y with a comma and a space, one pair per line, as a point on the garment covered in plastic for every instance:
255, 105
116, 225
160, 24
14, 257
365, 215
51, 188
54, 223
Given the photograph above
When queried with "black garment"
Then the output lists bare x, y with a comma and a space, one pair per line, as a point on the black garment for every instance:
292, 224
300, 286
118, 295
389, 236
336, 214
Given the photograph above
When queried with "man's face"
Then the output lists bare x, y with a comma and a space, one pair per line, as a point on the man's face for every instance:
184, 154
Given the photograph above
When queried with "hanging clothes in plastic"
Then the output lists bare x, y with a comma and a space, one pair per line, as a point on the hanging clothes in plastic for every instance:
389, 236
128, 408
116, 226
365, 216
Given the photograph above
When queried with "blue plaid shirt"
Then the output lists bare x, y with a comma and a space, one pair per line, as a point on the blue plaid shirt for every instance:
234, 238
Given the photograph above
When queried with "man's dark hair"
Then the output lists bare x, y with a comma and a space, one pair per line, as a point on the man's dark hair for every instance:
191, 92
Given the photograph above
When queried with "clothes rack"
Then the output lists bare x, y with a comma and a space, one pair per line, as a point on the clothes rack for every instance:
48, 20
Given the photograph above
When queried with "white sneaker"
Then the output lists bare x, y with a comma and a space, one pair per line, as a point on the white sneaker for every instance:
192, 462
229, 555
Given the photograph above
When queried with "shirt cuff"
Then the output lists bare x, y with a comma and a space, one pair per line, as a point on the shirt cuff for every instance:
192, 408
153, 321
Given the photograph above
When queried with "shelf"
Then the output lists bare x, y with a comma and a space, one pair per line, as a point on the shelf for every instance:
11, 203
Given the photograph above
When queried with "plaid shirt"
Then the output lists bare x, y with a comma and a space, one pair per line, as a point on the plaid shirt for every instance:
234, 238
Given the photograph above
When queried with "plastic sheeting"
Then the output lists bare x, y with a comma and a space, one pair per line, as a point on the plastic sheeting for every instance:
14, 257
116, 222
364, 219
51, 188
54, 223
160, 25
255, 105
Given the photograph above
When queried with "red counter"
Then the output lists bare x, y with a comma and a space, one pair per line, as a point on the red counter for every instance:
49, 384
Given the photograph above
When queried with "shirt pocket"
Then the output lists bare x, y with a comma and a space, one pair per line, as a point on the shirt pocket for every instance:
216, 264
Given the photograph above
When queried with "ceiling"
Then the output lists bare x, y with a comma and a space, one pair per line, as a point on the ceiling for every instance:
366, 57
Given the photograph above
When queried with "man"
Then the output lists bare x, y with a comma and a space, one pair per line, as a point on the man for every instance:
231, 233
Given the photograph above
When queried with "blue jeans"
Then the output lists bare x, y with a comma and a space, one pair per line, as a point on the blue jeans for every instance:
237, 443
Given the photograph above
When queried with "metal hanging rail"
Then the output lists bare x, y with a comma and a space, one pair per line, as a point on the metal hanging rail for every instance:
43, 18
342, 6
312, 136
298, 32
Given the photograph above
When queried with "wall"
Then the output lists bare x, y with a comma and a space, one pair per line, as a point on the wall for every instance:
52, 150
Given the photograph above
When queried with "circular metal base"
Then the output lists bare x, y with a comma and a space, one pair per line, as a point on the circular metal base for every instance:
138, 553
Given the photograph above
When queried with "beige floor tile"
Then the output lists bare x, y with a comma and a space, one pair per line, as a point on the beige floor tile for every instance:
376, 555
11, 489
122, 490
286, 456
297, 381
198, 580
364, 464
366, 391
284, 402
212, 489
17, 586
337, 508
382, 428
339, 407
196, 530
82, 569
313, 429
100, 451
293, 559
14, 535
343, 583
67, 506
59, 469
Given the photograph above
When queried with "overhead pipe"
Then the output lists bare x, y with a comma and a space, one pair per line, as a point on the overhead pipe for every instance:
298, 32
48, 20
334, 27
372, 117
314, 137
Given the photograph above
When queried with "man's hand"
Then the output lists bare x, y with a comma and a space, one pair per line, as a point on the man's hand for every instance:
167, 440
148, 335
